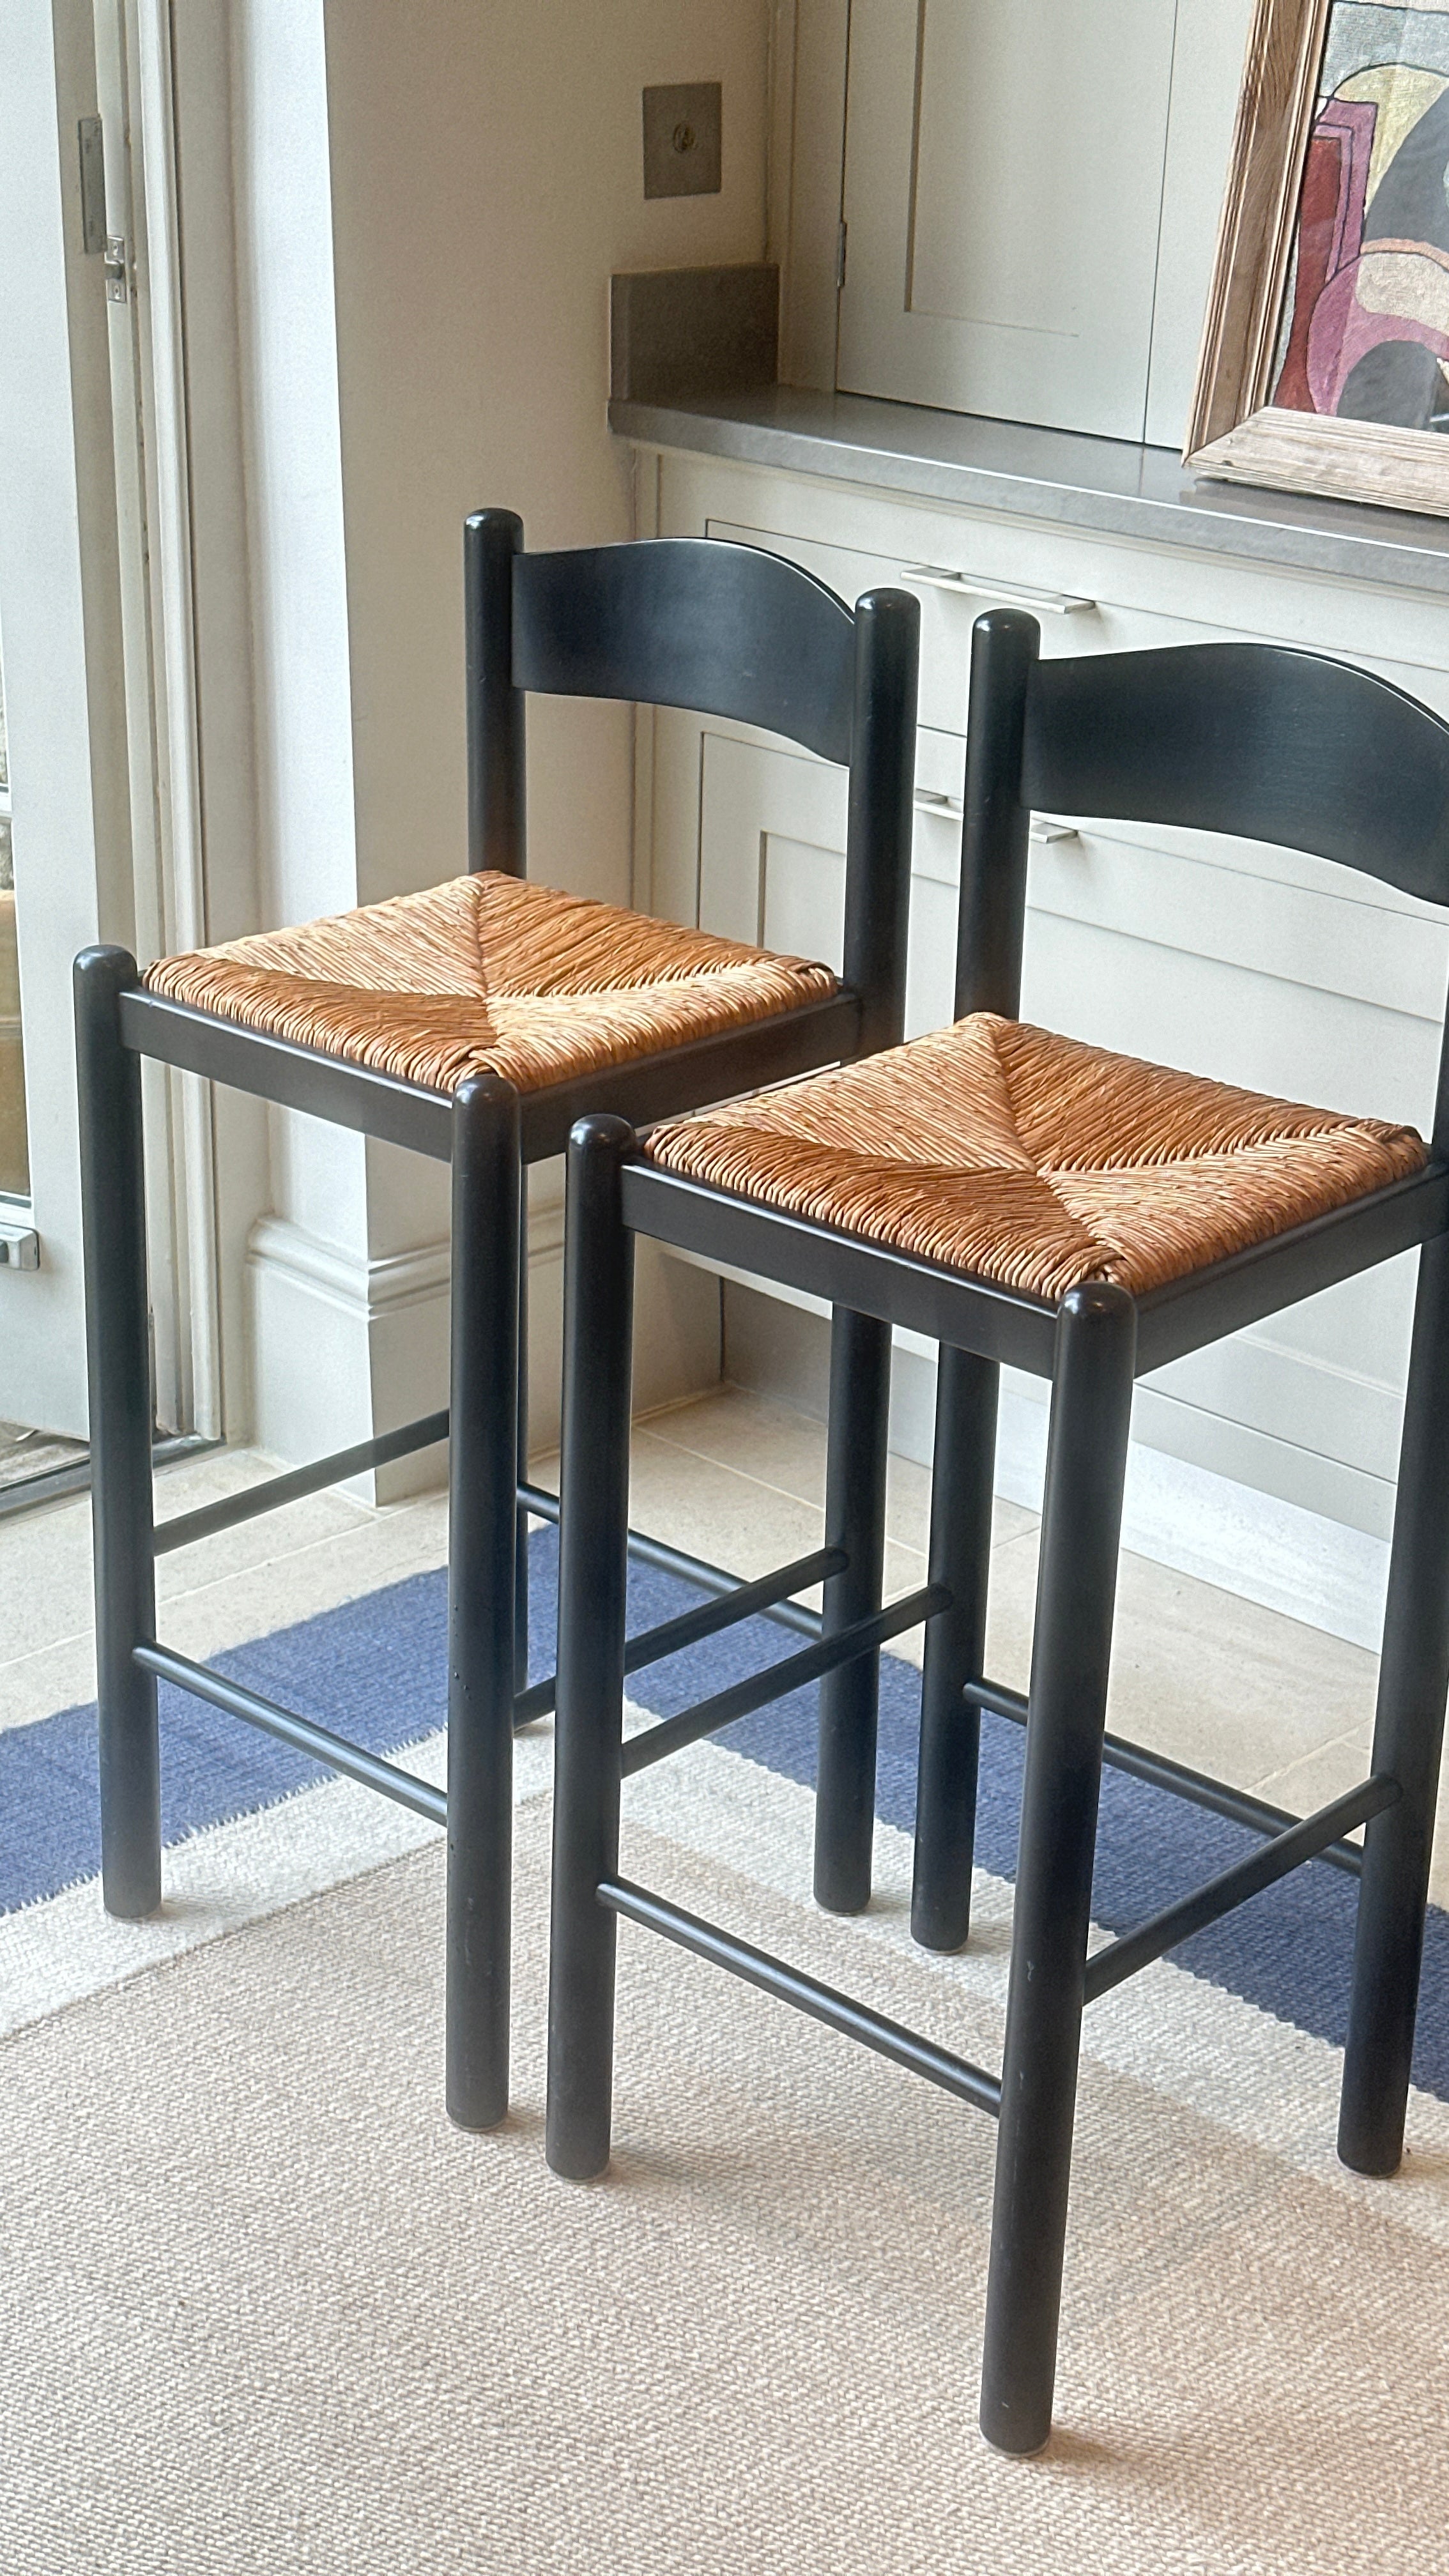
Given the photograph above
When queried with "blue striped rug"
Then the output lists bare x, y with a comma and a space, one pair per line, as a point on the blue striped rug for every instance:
374, 1669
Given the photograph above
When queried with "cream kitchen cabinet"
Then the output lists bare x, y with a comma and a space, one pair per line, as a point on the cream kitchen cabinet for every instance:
1262, 966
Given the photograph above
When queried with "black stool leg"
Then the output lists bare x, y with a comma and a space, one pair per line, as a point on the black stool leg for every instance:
118, 1347
520, 1576
1081, 1524
860, 1386
482, 1559
1408, 1740
593, 1576
962, 1482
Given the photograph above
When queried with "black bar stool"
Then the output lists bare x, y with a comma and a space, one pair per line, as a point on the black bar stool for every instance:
1020, 1197
473, 1023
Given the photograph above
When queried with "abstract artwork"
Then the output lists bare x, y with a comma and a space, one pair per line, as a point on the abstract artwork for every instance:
1366, 320
1325, 361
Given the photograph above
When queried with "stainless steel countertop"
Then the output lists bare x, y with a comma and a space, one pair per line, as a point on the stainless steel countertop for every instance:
1104, 485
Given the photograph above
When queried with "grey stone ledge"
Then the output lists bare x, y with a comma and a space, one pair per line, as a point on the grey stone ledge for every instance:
1106, 485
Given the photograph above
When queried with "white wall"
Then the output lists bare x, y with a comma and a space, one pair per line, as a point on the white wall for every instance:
486, 181
429, 201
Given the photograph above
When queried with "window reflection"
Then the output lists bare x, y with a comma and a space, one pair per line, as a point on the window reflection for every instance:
14, 1150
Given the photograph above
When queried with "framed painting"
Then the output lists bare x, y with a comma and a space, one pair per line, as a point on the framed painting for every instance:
1325, 358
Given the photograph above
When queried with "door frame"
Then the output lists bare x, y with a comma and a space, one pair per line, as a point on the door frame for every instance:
809, 55
95, 581
136, 93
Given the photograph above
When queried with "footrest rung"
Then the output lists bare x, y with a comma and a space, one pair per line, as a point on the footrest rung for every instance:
676, 1560
335, 1751
778, 1680
1233, 1887
823, 2003
656, 1645
1160, 1772
187, 1527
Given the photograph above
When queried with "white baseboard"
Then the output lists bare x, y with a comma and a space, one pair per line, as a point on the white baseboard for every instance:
344, 1347
1245, 1541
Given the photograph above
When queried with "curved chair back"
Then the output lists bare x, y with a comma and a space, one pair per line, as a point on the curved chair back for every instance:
1253, 739
725, 630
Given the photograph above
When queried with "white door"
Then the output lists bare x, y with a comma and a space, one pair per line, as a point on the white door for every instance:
81, 552
1031, 200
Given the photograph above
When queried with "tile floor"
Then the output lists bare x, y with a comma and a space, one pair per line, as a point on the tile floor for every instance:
25, 1454
1214, 1680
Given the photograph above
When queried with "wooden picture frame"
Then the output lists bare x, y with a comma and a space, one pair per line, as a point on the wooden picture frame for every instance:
1235, 432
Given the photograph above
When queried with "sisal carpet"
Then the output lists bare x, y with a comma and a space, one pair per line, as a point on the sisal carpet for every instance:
376, 1666
262, 2308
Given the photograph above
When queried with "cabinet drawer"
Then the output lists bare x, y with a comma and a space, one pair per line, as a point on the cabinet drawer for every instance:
948, 611
954, 588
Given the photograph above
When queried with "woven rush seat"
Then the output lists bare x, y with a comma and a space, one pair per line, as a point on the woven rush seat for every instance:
489, 973
1037, 1162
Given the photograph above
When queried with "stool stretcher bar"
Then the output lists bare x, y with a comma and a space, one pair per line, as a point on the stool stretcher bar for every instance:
946, 1305
1238, 1805
768, 1597
823, 2003
655, 1645
676, 1560
300, 1732
188, 1527
346, 1094
778, 1680
1233, 1887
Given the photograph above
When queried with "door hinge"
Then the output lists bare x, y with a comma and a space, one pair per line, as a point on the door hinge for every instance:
96, 242
19, 1246
840, 257
92, 186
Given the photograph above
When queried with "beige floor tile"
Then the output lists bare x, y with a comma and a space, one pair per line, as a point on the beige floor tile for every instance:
383, 1547
779, 1447
1335, 1768
259, 1547
45, 1577
692, 1502
767, 1442
1198, 1674
711, 1511
45, 1556
908, 1509
292, 1564
55, 1677
1327, 1772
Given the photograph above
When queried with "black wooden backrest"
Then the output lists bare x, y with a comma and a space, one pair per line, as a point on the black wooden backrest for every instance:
690, 622
1253, 739
724, 630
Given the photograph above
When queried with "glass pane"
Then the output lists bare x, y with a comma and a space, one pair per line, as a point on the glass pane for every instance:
14, 1149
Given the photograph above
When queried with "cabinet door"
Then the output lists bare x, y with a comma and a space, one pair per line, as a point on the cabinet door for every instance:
1011, 244
771, 852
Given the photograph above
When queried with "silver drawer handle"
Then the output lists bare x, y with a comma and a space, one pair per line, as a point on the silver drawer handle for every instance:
970, 585
949, 809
